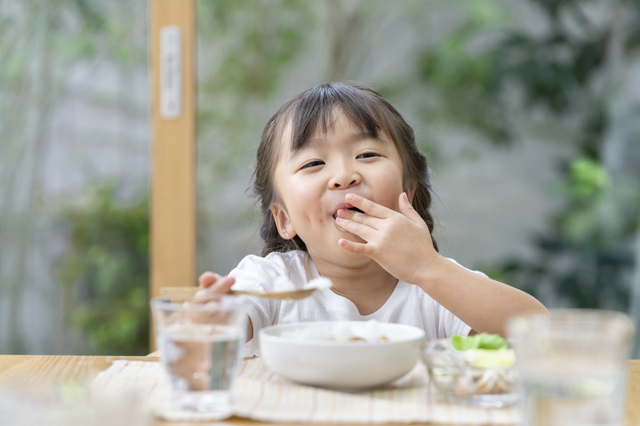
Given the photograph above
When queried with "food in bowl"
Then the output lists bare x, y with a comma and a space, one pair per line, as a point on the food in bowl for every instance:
347, 355
340, 331
479, 369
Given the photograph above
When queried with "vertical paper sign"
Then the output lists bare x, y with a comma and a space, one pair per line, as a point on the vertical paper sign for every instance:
170, 72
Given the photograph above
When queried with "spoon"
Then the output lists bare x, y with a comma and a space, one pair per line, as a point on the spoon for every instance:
280, 295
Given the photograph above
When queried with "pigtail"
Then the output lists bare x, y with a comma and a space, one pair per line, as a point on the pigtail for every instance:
421, 203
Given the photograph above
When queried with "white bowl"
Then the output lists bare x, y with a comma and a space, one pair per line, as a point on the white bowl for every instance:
341, 364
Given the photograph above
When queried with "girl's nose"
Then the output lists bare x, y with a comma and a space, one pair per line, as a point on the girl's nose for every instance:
345, 180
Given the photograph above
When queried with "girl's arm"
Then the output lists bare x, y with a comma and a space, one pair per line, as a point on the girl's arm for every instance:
400, 242
482, 303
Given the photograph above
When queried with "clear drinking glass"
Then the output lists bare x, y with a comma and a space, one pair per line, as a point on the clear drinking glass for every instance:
572, 366
200, 348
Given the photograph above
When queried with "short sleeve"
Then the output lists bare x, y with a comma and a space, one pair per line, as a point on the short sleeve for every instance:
471, 270
449, 324
256, 273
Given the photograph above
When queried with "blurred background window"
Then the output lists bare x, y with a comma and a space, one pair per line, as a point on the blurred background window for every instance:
528, 111
74, 167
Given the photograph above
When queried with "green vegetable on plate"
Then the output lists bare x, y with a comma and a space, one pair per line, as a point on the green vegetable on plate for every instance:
478, 341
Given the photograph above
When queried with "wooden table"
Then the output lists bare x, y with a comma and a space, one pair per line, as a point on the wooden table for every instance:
24, 372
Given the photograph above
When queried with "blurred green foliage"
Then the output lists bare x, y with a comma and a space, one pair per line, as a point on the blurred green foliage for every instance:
44, 43
245, 50
586, 256
483, 73
467, 83
105, 274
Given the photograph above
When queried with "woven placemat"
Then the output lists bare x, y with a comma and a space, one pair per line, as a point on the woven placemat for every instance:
260, 394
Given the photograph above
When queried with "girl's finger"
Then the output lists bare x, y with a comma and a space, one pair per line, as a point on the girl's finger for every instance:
365, 219
368, 206
221, 286
363, 231
207, 279
350, 246
407, 209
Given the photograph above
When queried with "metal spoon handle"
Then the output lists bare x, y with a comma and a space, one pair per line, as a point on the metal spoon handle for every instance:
293, 295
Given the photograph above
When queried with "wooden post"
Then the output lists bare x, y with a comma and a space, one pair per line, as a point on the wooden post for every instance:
173, 119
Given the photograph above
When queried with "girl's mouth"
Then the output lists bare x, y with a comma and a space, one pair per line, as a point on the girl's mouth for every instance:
355, 209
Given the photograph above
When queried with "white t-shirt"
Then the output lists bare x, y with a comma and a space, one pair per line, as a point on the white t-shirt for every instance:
408, 304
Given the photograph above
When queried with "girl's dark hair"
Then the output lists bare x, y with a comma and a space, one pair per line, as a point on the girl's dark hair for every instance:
368, 110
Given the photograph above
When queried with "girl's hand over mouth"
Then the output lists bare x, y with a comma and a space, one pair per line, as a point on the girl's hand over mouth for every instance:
400, 242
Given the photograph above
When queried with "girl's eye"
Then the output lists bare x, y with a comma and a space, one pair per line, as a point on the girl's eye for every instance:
368, 155
313, 163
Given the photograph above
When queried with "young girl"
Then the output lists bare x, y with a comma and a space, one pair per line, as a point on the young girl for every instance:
345, 195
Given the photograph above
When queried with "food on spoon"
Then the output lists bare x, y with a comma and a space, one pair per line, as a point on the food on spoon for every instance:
282, 284
319, 283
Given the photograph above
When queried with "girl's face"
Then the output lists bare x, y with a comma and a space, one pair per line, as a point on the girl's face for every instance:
312, 182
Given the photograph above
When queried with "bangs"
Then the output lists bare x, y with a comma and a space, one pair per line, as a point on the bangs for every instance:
314, 111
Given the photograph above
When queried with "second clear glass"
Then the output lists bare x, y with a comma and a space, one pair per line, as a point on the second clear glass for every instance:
572, 366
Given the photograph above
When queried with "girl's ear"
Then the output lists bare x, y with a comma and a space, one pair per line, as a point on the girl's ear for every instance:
411, 190
284, 225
